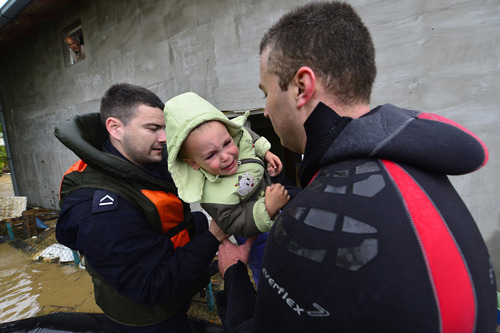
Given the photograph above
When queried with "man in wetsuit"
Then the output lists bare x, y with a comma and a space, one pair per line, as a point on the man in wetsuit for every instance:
146, 252
378, 240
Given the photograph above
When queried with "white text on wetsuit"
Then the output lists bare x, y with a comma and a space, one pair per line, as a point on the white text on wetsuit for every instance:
318, 312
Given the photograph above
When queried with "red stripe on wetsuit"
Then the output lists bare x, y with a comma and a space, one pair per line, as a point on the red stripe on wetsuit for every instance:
448, 272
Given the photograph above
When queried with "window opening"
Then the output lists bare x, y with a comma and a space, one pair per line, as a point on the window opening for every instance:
73, 43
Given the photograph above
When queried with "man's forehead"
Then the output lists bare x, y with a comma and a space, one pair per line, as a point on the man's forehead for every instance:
263, 69
147, 108
148, 114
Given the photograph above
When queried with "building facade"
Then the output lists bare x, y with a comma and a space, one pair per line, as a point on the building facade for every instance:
441, 57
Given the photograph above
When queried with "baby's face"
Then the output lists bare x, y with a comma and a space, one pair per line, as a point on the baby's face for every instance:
212, 148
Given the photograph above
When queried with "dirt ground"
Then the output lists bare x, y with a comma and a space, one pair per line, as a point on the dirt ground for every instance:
6, 189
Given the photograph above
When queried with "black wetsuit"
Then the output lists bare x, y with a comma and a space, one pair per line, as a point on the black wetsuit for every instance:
378, 240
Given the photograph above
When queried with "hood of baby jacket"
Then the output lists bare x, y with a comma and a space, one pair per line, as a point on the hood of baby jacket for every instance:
182, 114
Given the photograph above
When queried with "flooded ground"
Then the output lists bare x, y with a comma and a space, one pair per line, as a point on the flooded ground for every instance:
29, 288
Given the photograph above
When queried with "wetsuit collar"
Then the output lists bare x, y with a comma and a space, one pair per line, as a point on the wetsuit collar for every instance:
322, 128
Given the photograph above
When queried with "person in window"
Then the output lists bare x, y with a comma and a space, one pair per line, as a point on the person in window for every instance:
76, 50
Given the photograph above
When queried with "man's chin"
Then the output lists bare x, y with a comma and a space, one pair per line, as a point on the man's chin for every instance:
155, 158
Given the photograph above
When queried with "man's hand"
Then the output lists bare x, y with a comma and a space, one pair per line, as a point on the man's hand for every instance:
217, 231
229, 253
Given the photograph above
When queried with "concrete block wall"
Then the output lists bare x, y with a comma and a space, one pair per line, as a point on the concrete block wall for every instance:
434, 56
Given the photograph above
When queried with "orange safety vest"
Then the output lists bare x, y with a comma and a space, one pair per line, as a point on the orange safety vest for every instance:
170, 210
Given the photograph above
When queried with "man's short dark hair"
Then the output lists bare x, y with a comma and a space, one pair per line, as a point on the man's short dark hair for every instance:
122, 99
331, 39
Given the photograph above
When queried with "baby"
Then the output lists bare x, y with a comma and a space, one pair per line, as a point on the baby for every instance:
219, 163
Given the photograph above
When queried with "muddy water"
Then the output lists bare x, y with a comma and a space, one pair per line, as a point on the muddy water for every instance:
29, 288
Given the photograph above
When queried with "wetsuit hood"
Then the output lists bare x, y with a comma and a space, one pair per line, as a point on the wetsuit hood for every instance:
424, 140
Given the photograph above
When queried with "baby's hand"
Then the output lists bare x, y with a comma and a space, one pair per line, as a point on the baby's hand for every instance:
276, 197
274, 165
273, 171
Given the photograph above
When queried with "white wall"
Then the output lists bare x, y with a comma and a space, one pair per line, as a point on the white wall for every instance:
444, 57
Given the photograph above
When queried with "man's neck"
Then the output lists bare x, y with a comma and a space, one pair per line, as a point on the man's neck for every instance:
111, 148
353, 111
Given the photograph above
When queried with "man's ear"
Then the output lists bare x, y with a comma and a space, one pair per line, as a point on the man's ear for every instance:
305, 84
114, 127
191, 163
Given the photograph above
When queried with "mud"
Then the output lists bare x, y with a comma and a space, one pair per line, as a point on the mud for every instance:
30, 288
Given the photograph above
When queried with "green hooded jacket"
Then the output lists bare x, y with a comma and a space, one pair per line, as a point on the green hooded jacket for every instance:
235, 202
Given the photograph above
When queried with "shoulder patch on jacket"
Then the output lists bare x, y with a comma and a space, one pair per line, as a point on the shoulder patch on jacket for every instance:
104, 201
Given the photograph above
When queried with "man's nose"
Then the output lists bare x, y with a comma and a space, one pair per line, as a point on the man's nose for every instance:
266, 114
162, 137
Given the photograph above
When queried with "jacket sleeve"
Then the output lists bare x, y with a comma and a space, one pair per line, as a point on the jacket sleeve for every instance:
240, 219
136, 261
239, 299
262, 145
